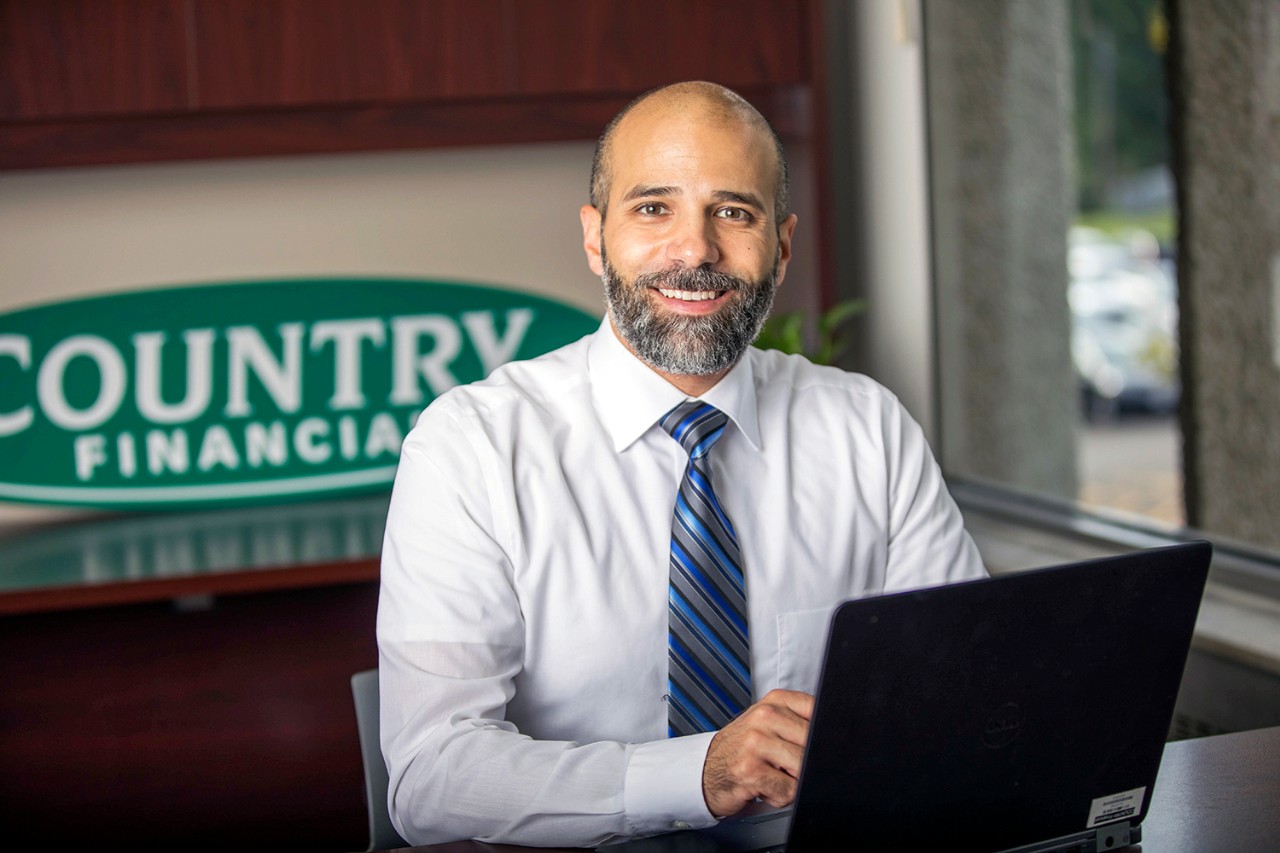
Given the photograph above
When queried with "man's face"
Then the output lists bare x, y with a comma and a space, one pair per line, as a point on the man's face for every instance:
689, 250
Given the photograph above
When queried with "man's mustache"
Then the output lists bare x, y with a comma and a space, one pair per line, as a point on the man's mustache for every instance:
697, 279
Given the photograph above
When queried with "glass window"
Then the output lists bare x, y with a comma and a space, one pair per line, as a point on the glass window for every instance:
1122, 290
1054, 247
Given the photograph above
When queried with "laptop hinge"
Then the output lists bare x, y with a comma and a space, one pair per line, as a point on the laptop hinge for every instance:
1116, 836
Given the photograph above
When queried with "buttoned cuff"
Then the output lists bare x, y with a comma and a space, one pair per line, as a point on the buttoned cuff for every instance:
663, 787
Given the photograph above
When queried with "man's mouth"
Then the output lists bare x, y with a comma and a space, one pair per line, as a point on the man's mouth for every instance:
691, 295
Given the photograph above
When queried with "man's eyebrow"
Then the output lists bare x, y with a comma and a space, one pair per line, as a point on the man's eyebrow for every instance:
645, 191
649, 192
749, 199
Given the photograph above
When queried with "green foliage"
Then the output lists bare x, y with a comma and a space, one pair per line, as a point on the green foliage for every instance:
1121, 226
1122, 107
787, 332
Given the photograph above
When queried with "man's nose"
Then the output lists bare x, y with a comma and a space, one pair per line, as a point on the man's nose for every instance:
693, 243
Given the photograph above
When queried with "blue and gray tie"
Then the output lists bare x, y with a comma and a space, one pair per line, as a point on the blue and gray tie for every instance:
709, 682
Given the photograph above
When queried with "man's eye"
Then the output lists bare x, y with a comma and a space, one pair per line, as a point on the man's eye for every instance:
650, 209
734, 213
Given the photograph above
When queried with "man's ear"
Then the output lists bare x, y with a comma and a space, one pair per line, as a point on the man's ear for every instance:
785, 232
591, 224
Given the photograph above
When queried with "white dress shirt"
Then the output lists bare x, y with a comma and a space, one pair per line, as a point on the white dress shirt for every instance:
522, 623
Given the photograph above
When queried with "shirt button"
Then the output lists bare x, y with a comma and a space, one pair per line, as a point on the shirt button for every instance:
679, 824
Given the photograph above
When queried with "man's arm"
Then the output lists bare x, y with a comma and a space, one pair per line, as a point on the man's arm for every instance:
928, 543
451, 644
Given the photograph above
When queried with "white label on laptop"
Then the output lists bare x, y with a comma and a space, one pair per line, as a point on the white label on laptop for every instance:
1126, 804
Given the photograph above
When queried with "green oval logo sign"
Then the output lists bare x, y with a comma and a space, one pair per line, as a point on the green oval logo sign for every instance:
247, 392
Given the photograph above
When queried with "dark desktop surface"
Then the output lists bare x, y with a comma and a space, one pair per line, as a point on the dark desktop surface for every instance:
1218, 793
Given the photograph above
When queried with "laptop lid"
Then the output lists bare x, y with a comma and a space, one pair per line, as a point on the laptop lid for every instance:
1000, 713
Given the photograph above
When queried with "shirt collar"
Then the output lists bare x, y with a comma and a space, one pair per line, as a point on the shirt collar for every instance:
630, 397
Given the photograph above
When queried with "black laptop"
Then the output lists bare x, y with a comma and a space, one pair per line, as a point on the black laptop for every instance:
1025, 712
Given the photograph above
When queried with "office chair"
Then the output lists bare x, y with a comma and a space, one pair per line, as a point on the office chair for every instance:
382, 835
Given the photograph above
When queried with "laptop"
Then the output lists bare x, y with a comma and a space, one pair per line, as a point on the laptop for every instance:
1024, 712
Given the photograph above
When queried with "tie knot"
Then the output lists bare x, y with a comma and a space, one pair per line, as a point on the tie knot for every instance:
696, 425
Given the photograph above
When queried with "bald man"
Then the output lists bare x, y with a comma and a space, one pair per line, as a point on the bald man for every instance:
550, 674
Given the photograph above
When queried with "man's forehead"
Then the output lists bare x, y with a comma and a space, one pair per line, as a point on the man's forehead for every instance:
661, 115
661, 151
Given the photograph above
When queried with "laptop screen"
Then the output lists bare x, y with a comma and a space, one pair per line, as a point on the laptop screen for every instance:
1000, 712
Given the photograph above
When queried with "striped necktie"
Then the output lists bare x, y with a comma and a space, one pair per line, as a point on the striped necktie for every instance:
709, 681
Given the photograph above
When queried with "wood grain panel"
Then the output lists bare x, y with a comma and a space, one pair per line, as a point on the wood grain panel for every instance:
65, 58
288, 53
327, 131
154, 727
606, 45
820, 139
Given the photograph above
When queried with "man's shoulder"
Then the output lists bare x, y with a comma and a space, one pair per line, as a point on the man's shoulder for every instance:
544, 383
825, 403
779, 372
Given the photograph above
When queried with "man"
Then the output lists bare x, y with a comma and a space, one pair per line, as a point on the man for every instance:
544, 678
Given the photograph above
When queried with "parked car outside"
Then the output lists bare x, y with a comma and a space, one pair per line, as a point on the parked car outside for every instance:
1124, 309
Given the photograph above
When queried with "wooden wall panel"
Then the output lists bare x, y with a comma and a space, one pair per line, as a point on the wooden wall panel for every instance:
579, 46
345, 129
288, 53
72, 58
86, 82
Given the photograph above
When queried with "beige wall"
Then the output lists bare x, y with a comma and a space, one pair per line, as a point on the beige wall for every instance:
496, 215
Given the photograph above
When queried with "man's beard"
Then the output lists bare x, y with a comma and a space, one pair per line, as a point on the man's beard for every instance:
686, 345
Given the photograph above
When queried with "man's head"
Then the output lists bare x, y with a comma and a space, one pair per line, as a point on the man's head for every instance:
723, 101
688, 227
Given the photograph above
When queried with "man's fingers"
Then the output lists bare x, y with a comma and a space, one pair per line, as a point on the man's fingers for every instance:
758, 754
800, 704
770, 752
766, 781
784, 714
762, 767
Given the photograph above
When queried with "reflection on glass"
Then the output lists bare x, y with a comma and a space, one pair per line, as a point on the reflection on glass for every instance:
145, 547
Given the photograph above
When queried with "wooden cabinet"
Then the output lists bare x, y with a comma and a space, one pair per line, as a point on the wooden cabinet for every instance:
209, 723
587, 46
179, 681
111, 81
297, 53
87, 58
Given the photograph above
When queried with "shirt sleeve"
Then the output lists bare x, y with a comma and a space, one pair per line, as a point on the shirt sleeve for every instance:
451, 646
928, 543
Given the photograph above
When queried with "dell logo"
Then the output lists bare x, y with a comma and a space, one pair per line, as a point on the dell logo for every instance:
1002, 726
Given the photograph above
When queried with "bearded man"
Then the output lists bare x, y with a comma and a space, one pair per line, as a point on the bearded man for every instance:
607, 571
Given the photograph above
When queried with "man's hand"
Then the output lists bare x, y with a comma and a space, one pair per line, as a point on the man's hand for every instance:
758, 754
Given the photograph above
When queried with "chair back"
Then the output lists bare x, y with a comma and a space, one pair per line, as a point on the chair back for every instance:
382, 835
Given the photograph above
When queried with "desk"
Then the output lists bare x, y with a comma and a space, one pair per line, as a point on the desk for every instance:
186, 675
1217, 794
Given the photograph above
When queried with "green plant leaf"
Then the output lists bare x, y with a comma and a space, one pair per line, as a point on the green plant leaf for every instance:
786, 332
840, 313
783, 332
